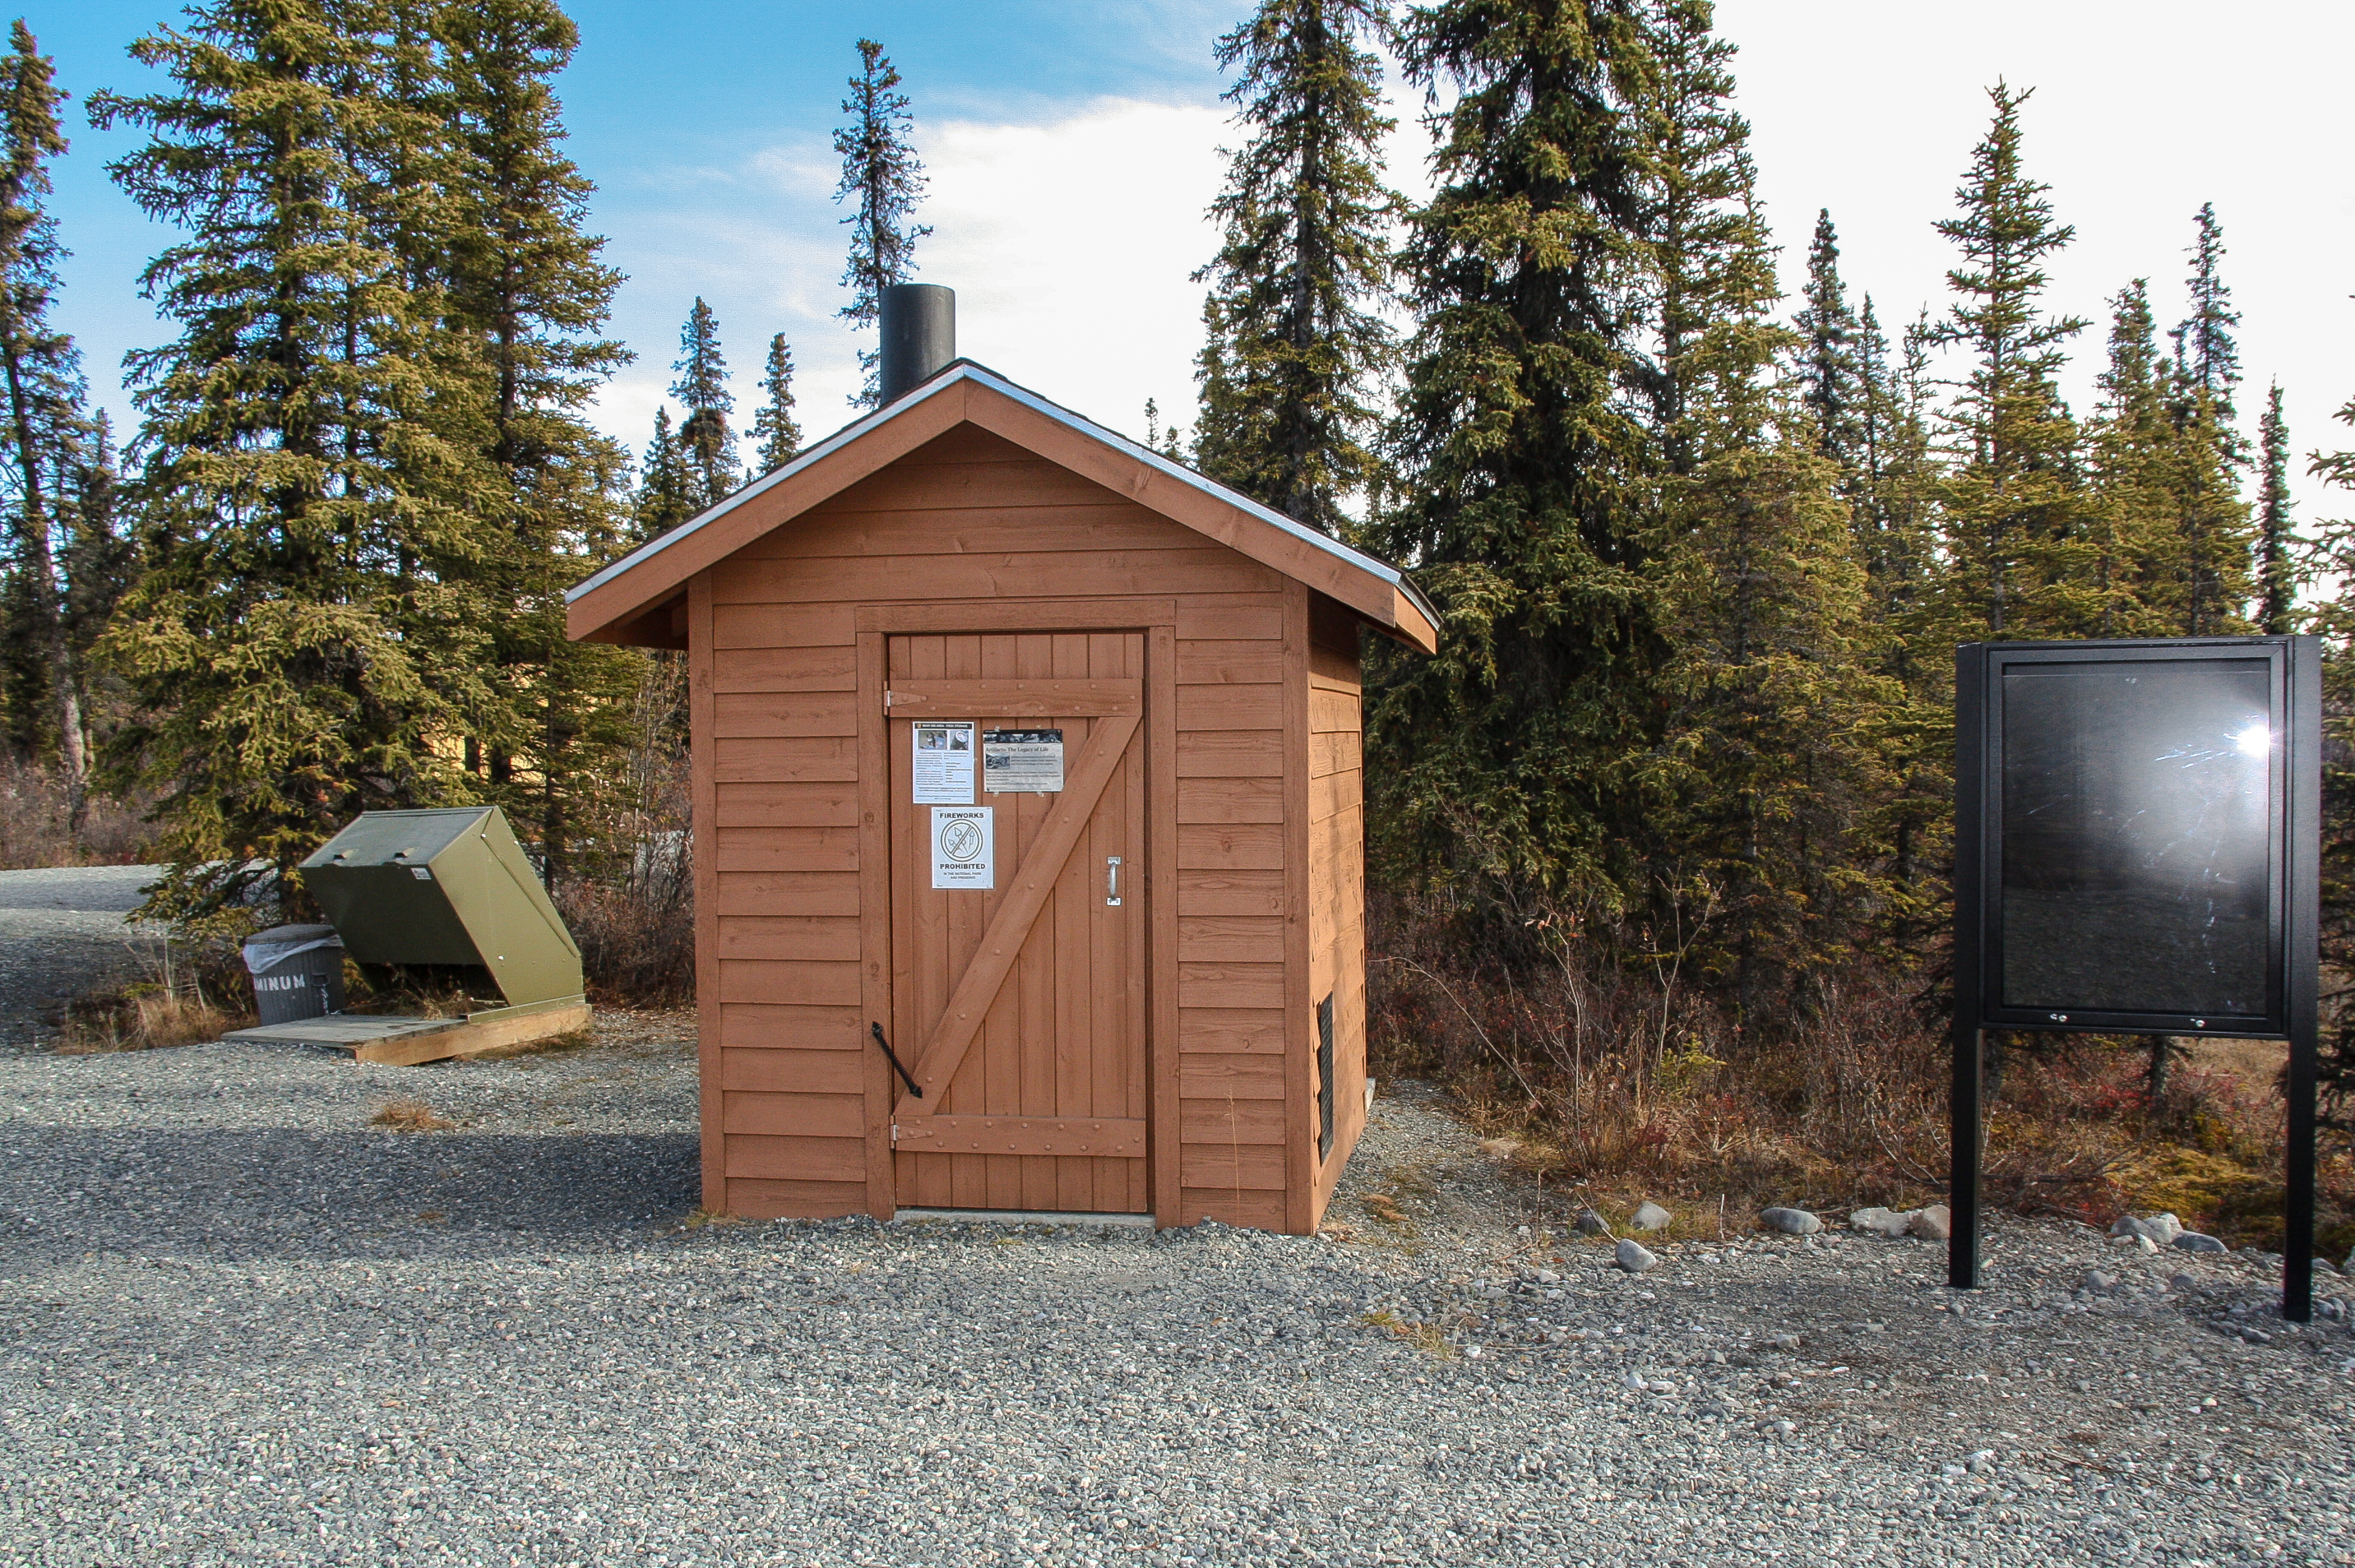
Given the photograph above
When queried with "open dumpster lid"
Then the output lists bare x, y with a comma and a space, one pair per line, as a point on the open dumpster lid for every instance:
446, 886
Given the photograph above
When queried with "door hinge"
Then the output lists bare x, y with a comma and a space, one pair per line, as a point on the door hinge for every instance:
887, 700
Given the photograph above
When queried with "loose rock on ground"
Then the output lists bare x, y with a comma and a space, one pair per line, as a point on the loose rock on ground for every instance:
238, 1324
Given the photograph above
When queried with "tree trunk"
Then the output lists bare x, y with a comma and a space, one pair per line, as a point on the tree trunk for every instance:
40, 568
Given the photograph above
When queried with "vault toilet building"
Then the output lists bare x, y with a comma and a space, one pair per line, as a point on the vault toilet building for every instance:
1032, 759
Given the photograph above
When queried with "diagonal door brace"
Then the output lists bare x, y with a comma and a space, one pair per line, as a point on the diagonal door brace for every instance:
944, 1053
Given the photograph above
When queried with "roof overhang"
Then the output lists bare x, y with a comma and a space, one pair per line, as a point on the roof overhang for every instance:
628, 601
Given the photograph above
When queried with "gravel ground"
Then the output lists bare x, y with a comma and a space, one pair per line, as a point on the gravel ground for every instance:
62, 934
240, 1325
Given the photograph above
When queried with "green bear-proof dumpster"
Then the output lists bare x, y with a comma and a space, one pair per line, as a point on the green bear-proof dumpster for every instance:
451, 889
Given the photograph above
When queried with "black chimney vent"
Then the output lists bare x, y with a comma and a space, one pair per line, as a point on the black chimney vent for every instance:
918, 334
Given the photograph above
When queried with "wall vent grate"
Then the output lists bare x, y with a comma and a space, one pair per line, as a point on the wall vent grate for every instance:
1324, 1077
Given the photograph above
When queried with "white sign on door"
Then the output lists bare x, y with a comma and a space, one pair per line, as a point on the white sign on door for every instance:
943, 763
964, 846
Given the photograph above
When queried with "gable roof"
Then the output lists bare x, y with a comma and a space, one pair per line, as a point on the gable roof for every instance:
608, 606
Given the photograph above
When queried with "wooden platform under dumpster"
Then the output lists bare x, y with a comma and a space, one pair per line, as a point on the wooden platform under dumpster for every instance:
406, 1041
453, 889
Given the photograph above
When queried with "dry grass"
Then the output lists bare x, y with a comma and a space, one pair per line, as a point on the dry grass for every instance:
188, 993
37, 829
139, 1019
1428, 1338
410, 1115
1615, 1086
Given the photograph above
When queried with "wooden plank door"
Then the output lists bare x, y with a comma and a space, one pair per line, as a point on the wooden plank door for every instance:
1021, 1009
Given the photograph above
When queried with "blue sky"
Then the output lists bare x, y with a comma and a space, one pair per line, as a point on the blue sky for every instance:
1073, 146
706, 129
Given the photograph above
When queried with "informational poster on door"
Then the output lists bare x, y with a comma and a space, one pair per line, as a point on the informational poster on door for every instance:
964, 846
1022, 761
943, 763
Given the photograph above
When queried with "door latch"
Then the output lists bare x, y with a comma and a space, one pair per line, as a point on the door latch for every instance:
1111, 880
914, 1088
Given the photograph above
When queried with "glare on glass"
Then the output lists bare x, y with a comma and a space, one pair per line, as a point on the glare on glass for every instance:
2136, 837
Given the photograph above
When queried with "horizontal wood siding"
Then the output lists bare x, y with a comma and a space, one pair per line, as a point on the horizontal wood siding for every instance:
1336, 860
798, 759
763, 1200
968, 520
1231, 910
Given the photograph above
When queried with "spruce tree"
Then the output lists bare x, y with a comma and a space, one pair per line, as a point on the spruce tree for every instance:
1896, 519
2012, 501
45, 425
2206, 579
1712, 271
99, 556
773, 426
883, 174
302, 642
666, 488
2130, 445
2166, 538
1772, 699
1830, 375
28, 716
1889, 473
2208, 353
706, 444
1523, 747
1287, 382
529, 295
2326, 559
2277, 581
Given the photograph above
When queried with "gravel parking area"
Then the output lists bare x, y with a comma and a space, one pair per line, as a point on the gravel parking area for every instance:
62, 934
240, 1324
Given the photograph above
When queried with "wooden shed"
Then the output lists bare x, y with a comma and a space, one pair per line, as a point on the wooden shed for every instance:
1033, 756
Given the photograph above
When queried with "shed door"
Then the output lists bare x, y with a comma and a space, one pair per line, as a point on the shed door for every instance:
1021, 1007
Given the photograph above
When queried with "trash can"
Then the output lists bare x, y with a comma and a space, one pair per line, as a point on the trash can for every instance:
298, 971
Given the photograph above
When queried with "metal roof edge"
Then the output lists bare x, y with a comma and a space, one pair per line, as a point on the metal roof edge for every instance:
775, 476
1371, 563
966, 369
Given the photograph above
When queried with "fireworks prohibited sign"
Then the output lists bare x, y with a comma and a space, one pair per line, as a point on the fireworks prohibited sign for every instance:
964, 846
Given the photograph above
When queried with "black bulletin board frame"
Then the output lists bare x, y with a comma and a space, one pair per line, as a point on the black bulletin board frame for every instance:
2293, 915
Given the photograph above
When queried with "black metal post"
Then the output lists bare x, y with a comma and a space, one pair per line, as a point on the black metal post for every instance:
2301, 977
1969, 1141
2297, 1203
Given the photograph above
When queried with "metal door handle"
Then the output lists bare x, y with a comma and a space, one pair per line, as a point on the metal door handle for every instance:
1112, 880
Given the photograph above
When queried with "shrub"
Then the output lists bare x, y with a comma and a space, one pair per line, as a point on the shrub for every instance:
36, 827
189, 990
1622, 1080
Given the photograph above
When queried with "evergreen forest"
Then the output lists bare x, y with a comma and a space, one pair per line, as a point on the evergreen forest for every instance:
1659, 841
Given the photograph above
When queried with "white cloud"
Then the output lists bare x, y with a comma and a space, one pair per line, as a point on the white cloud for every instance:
1071, 248
1070, 244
